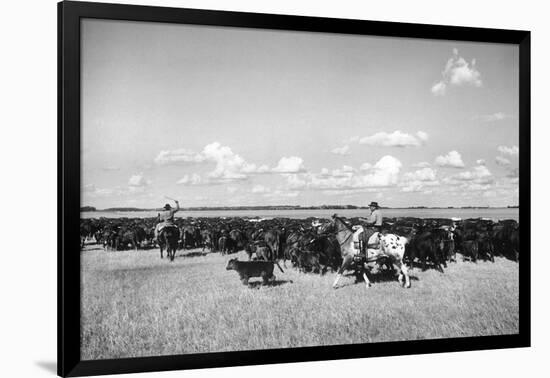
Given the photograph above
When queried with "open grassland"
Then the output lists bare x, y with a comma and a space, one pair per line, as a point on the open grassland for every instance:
135, 304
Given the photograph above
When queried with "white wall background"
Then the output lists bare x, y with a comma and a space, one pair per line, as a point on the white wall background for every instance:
28, 156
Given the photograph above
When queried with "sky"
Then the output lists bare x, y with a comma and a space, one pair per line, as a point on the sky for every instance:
219, 116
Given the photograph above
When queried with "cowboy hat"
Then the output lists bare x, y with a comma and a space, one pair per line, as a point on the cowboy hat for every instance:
375, 204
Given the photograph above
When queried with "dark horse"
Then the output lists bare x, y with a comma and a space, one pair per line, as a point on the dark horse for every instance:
168, 239
392, 247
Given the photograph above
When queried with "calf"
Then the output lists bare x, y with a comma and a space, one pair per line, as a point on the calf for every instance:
308, 261
247, 269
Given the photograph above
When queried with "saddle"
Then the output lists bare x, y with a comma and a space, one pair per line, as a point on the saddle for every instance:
163, 227
360, 239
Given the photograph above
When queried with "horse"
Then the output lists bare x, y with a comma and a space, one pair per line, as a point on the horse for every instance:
392, 247
168, 238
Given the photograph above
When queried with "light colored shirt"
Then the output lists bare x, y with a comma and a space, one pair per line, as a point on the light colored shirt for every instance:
375, 218
168, 216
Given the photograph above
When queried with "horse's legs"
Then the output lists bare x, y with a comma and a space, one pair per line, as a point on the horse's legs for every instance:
366, 278
172, 252
403, 272
345, 263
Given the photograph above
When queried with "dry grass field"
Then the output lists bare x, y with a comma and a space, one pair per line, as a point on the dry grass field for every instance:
135, 304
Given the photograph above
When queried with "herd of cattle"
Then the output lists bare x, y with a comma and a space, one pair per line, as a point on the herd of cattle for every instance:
310, 244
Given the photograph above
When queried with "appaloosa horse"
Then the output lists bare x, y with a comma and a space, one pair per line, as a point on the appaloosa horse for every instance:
391, 247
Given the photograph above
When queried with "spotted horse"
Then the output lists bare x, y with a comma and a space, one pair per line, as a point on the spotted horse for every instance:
391, 247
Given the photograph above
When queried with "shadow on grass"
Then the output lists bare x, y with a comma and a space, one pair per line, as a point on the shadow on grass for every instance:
97, 247
193, 254
384, 275
417, 265
100, 247
259, 284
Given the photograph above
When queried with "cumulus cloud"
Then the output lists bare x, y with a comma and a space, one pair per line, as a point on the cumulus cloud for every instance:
138, 180
292, 164
479, 172
181, 155
480, 162
395, 139
417, 180
502, 161
229, 166
452, 159
439, 89
512, 150
424, 174
365, 166
341, 150
296, 182
479, 175
422, 136
384, 173
345, 171
193, 179
457, 72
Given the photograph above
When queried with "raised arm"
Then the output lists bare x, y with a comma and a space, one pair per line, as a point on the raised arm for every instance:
177, 206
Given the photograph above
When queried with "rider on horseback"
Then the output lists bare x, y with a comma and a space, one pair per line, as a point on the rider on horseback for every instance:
166, 218
375, 218
374, 225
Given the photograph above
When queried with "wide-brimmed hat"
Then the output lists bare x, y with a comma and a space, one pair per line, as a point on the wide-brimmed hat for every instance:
167, 206
375, 204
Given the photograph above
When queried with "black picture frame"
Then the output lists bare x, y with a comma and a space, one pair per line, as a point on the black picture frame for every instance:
69, 16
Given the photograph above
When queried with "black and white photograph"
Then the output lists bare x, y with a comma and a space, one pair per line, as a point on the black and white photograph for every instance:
275, 188
253, 189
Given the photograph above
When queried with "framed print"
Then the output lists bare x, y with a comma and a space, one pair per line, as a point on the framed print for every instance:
240, 188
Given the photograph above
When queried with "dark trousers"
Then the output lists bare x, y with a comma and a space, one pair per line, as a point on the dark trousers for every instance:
369, 231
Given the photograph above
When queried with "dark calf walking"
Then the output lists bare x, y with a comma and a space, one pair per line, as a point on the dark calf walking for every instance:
248, 269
